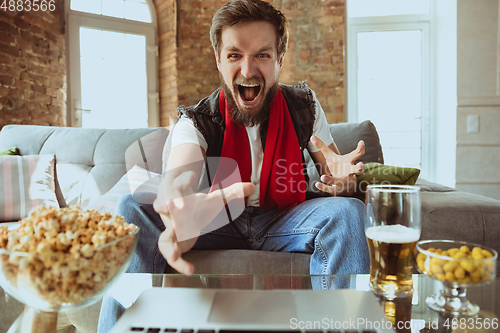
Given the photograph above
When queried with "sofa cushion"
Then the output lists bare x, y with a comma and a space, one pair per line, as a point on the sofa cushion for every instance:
27, 181
347, 135
380, 174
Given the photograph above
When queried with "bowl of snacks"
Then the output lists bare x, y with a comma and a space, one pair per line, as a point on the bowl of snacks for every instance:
457, 265
60, 259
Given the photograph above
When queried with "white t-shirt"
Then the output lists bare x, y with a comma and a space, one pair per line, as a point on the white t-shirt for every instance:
185, 132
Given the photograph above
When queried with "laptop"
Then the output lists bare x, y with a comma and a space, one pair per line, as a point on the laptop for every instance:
197, 310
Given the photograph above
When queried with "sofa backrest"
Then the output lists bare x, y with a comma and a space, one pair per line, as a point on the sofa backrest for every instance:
88, 161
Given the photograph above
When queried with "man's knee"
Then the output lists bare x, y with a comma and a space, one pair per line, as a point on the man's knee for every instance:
134, 201
357, 206
341, 213
344, 206
124, 204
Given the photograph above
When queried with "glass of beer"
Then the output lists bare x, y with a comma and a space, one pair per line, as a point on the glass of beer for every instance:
392, 227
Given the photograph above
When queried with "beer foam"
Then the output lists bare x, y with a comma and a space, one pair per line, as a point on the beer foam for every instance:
398, 234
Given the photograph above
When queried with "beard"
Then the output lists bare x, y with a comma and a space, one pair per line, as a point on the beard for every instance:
245, 118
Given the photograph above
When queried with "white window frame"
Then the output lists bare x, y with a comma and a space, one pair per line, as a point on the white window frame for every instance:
421, 22
77, 20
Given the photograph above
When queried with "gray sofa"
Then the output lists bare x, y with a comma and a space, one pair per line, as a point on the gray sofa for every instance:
90, 161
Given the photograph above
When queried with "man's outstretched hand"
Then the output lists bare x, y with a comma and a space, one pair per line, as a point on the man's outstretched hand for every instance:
185, 213
340, 179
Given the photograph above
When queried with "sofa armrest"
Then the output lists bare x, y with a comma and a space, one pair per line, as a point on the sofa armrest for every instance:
428, 186
448, 213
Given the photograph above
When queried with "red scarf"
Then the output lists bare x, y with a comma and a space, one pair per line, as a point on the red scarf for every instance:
282, 181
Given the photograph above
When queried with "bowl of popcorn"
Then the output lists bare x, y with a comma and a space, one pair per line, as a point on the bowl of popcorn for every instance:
457, 265
64, 258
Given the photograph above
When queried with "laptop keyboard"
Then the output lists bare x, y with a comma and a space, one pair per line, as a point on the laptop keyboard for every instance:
174, 330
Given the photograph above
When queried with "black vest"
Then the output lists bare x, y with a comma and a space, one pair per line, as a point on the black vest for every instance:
207, 118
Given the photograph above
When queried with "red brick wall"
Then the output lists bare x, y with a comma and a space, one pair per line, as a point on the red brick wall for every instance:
198, 75
32, 67
33, 63
315, 52
166, 12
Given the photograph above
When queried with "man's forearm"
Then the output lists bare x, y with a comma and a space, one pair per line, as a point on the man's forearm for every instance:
187, 157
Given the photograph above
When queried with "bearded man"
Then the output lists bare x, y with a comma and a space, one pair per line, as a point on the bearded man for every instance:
265, 127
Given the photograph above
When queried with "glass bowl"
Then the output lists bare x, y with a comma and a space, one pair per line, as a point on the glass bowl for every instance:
457, 265
55, 282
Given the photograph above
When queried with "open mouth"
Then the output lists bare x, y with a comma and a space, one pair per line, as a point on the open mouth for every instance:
249, 92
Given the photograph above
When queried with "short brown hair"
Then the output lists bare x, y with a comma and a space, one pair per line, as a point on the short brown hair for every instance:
236, 11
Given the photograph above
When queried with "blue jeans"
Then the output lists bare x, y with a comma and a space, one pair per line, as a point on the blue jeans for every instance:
330, 229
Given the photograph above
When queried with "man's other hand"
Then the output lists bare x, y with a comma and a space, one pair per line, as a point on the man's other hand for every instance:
340, 178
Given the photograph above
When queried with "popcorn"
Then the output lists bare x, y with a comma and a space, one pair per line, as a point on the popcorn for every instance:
59, 254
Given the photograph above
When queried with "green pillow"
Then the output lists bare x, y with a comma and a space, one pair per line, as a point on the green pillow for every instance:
380, 174
10, 151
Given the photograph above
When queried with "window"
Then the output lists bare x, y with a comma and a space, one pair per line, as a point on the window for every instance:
389, 80
112, 64
370, 8
137, 10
